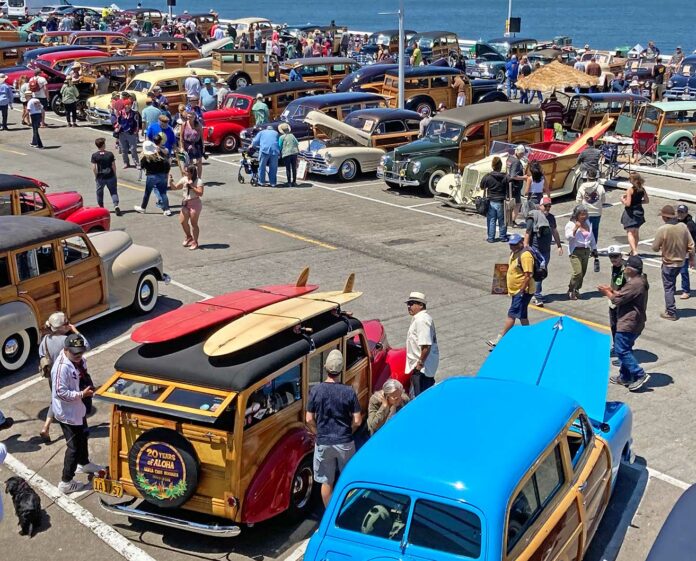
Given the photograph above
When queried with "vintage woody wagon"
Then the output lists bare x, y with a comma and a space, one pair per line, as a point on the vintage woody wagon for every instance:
209, 411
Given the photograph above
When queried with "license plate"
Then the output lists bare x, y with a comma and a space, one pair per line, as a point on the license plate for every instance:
107, 487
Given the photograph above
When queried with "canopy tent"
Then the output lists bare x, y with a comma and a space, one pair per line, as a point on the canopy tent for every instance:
556, 76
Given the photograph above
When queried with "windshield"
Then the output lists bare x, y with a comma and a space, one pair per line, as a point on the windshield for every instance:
234, 102
425, 43
378, 39
502, 48
297, 113
16, 3
139, 85
686, 69
443, 132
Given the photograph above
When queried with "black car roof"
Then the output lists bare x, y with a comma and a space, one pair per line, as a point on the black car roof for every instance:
392, 32
434, 33
19, 231
279, 87
140, 10
17, 44
429, 70
186, 362
318, 60
12, 182
322, 100
483, 112
386, 113
612, 96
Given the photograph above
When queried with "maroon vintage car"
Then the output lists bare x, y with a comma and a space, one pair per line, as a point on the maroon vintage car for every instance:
27, 196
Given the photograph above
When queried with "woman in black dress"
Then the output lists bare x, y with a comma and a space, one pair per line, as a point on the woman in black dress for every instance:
633, 216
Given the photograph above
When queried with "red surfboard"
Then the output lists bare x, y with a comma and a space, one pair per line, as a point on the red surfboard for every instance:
206, 314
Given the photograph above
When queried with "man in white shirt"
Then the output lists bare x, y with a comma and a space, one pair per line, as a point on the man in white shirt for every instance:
192, 85
422, 353
592, 195
35, 110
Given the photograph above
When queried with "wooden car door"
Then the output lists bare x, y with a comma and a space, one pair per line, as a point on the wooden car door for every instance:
32, 202
40, 279
358, 372
84, 278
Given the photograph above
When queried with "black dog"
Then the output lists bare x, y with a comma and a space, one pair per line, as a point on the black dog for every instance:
27, 505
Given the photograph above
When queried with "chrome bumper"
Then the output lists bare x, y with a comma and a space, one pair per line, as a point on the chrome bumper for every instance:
124, 509
396, 178
99, 119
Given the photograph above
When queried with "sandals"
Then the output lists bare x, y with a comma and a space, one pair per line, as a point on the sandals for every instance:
187, 242
193, 245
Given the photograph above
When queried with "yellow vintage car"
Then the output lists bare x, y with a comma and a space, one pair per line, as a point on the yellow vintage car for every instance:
171, 81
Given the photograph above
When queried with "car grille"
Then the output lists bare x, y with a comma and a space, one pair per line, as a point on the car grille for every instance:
98, 114
313, 158
400, 166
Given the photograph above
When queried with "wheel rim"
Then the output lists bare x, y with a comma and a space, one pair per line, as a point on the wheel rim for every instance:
434, 180
348, 169
302, 487
12, 348
501, 76
683, 146
147, 293
15, 351
230, 143
424, 110
242, 82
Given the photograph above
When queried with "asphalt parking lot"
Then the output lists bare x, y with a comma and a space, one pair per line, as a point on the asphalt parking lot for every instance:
395, 242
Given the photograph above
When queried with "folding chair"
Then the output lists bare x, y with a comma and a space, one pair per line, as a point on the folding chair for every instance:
644, 147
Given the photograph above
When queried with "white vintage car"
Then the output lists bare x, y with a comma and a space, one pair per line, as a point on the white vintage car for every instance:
356, 145
49, 265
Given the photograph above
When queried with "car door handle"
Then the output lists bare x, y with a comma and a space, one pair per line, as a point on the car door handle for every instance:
582, 486
70, 276
24, 292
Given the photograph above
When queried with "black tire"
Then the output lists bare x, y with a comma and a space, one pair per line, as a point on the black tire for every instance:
349, 170
425, 108
159, 450
57, 106
239, 81
391, 184
146, 293
15, 351
81, 110
229, 144
500, 75
433, 180
301, 490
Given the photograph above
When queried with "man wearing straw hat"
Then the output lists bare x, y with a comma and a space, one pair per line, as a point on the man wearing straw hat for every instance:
422, 353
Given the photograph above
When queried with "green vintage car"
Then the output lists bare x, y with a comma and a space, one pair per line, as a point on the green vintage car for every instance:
673, 123
456, 138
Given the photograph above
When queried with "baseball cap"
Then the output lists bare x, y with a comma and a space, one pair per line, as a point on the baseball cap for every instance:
514, 239
546, 201
56, 320
613, 250
75, 343
635, 262
334, 362
417, 297
682, 208
207, 81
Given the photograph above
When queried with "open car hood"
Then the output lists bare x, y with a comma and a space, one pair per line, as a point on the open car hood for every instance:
331, 127
559, 353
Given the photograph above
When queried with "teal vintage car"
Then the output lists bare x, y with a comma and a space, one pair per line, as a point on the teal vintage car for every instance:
458, 137
673, 123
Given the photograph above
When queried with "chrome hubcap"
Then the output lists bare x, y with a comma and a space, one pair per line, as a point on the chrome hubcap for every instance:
145, 292
11, 347
348, 169
302, 487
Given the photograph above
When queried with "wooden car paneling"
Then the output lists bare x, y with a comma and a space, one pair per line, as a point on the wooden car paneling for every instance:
40, 278
85, 281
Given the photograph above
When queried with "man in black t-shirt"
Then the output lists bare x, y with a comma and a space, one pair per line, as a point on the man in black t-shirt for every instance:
658, 75
333, 413
541, 231
104, 169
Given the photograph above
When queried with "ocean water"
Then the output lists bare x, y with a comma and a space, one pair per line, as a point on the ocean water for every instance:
601, 23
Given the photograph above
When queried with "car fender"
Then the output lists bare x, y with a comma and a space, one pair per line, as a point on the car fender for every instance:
431, 163
221, 130
618, 421
394, 366
268, 494
672, 138
16, 316
91, 218
492, 96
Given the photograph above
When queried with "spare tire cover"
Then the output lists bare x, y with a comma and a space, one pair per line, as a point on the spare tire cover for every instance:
164, 467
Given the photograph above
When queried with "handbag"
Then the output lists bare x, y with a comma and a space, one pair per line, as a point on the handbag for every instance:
45, 363
482, 204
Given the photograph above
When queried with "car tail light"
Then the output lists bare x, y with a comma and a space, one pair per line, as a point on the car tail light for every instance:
232, 502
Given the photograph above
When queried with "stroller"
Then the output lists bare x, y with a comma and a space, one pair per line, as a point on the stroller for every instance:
250, 166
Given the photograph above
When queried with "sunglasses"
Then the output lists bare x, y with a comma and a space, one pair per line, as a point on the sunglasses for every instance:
411, 303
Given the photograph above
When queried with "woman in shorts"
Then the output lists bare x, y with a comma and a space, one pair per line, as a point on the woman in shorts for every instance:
191, 186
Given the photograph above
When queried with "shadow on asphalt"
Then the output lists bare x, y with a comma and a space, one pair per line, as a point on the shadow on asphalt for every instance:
657, 380
628, 492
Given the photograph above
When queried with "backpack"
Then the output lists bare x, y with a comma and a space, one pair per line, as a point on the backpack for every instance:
540, 271
34, 85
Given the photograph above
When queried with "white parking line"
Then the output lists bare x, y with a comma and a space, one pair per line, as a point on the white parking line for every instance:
298, 552
425, 204
120, 544
571, 212
190, 289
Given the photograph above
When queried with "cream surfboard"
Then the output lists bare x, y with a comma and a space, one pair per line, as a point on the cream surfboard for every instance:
271, 320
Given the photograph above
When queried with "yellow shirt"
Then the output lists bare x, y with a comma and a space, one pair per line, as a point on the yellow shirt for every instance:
516, 270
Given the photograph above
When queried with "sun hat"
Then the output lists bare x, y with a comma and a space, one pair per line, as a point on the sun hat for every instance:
514, 239
635, 262
634, 83
284, 128
221, 82
613, 250
417, 297
75, 343
56, 320
259, 96
520, 149
149, 148
667, 211
334, 363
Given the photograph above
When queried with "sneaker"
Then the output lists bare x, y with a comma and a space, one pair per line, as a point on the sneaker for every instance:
7, 423
639, 383
493, 342
668, 316
572, 295
72, 487
139, 209
118, 212
538, 302
617, 379
89, 468
685, 296
167, 212
490, 240
615, 362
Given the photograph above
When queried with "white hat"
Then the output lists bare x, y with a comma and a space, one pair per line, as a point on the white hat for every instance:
614, 250
334, 362
417, 297
56, 320
520, 149
149, 148
634, 83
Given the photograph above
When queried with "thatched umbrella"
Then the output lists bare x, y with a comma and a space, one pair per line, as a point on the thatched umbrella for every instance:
556, 76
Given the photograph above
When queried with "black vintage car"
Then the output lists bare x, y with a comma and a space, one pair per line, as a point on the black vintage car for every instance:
386, 38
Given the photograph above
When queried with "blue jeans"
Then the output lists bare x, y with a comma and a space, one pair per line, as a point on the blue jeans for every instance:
629, 369
158, 184
685, 280
496, 214
270, 160
523, 96
511, 87
594, 222
669, 283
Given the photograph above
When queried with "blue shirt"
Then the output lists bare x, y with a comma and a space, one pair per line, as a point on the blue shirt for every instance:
209, 99
333, 406
267, 142
511, 68
155, 129
6, 94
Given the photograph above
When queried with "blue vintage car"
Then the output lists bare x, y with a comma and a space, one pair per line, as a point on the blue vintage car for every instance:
682, 84
517, 463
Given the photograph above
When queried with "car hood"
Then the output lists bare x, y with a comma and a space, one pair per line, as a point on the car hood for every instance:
423, 145
333, 127
546, 354
65, 203
110, 244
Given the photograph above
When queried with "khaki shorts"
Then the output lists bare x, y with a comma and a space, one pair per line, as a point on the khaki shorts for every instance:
330, 459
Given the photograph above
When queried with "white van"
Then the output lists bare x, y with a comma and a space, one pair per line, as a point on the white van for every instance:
20, 8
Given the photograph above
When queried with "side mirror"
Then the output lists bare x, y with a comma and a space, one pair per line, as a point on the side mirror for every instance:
379, 346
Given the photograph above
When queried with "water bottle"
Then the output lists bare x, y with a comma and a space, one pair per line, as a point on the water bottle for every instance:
596, 264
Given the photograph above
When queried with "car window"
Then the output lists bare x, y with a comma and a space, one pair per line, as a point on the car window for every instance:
30, 201
447, 528
413, 125
338, 68
169, 85
118, 41
194, 399
579, 437
5, 204
4, 272
498, 128
35, 262
276, 395
316, 365
374, 512
74, 249
315, 70
534, 496
440, 82
525, 122
392, 126
132, 388
355, 351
